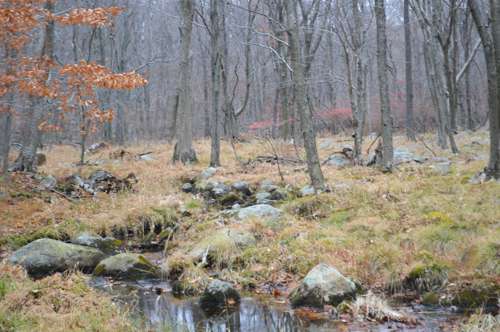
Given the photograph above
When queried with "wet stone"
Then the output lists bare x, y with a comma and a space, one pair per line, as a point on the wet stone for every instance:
219, 296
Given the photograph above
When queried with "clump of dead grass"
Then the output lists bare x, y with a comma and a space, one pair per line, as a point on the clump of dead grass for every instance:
56, 303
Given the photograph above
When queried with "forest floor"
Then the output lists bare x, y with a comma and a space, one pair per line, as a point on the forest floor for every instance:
377, 228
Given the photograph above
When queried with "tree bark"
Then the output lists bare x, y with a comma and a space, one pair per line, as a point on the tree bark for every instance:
410, 127
215, 61
184, 151
299, 80
385, 108
492, 71
494, 162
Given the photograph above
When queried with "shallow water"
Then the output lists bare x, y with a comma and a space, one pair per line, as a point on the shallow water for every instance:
163, 312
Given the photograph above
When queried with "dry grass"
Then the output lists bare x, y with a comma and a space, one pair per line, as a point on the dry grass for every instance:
57, 303
375, 230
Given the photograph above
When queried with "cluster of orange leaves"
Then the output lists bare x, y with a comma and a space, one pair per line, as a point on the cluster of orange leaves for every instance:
96, 17
73, 86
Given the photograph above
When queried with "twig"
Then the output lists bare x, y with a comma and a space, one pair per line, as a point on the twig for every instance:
63, 195
277, 159
372, 143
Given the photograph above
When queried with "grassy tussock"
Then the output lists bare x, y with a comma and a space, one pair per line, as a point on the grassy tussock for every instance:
57, 303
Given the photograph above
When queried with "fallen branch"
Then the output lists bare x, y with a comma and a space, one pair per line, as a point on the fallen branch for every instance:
63, 195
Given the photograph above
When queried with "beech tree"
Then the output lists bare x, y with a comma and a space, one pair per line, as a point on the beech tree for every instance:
47, 83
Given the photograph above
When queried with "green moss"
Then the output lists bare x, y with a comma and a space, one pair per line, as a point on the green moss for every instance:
430, 298
479, 293
230, 199
5, 286
193, 204
15, 322
312, 207
426, 277
338, 218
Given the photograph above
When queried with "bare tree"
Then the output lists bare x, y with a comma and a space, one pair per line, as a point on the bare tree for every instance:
299, 81
410, 127
184, 151
494, 163
385, 107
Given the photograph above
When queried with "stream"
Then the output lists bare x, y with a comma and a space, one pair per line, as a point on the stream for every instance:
153, 304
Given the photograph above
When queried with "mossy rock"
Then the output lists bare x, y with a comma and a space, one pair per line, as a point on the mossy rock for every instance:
222, 247
430, 299
230, 199
46, 256
323, 285
478, 293
61, 232
312, 207
127, 266
219, 296
426, 277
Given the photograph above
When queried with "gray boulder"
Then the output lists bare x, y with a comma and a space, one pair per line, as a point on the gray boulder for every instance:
108, 245
208, 173
46, 256
127, 266
323, 285
218, 296
307, 191
220, 189
259, 211
263, 197
48, 183
268, 186
338, 160
187, 187
405, 156
242, 187
279, 194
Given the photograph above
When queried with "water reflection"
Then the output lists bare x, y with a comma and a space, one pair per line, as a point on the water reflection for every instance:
166, 313
188, 316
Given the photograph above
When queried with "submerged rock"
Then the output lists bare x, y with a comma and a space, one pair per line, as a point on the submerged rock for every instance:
259, 211
46, 256
323, 285
127, 266
219, 296
108, 245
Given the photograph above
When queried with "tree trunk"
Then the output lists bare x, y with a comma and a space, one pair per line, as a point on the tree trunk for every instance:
494, 163
183, 150
215, 58
299, 80
490, 43
410, 128
385, 108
